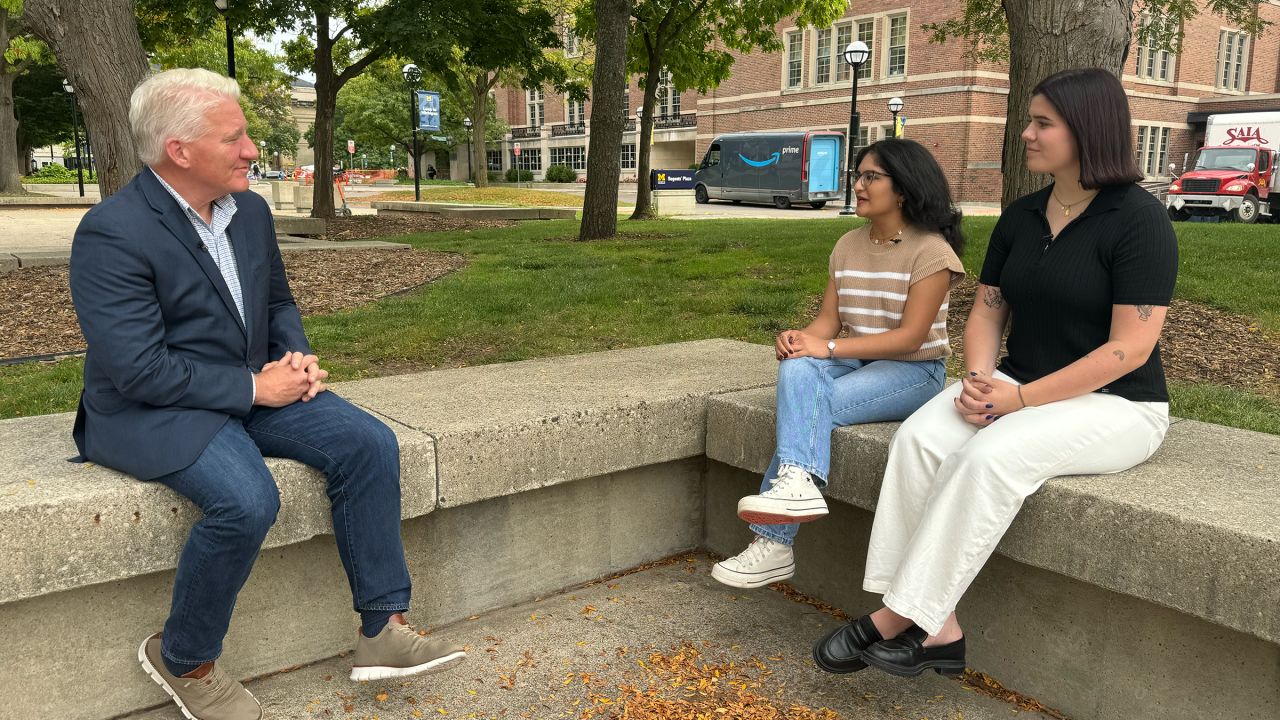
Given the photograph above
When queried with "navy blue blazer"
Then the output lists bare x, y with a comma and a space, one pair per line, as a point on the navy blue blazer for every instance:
169, 360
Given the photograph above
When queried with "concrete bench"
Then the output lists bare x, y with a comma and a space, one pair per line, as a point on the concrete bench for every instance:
302, 226
1150, 593
519, 480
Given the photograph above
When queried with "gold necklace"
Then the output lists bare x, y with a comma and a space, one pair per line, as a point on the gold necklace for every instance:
1066, 209
895, 238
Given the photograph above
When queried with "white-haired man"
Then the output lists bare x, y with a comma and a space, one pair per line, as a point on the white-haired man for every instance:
197, 367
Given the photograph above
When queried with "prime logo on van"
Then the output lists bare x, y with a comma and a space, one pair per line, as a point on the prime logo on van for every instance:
775, 157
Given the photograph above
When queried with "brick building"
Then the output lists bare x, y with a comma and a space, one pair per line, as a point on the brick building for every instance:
953, 105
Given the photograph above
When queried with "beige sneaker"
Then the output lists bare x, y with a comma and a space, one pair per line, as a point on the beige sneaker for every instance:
398, 651
212, 697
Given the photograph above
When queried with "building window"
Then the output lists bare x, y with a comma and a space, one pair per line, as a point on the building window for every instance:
822, 66
795, 59
668, 96
1153, 63
530, 159
629, 156
572, 46
865, 138
577, 113
626, 103
1231, 59
534, 107
1153, 150
844, 36
574, 157
897, 45
493, 159
866, 33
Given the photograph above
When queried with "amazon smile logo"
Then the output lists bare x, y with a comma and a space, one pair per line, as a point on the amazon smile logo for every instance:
761, 163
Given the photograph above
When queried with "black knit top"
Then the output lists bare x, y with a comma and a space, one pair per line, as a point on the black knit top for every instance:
1120, 251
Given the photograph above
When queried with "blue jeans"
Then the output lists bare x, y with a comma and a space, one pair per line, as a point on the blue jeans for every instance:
231, 485
817, 396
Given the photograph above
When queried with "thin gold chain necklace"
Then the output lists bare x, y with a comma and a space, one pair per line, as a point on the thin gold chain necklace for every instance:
895, 238
1066, 209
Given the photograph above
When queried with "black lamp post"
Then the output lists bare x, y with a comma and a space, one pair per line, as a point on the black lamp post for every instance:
471, 174
895, 107
855, 53
412, 76
75, 131
222, 6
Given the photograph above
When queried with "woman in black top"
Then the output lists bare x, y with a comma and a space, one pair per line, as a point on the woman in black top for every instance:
1082, 273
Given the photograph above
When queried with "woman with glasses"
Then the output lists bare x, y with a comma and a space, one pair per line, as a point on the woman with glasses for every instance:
1081, 273
874, 353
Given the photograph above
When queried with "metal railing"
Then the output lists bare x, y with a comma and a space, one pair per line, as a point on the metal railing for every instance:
530, 131
681, 120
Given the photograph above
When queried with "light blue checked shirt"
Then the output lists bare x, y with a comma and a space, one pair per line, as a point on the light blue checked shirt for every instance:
214, 237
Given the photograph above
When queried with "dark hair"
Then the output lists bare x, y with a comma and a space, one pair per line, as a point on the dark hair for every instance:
1096, 110
917, 177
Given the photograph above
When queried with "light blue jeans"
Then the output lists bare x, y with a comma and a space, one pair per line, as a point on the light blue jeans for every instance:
817, 396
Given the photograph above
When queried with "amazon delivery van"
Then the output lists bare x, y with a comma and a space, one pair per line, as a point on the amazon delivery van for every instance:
779, 168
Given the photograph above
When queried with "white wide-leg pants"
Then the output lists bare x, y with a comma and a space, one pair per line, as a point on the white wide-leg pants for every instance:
951, 489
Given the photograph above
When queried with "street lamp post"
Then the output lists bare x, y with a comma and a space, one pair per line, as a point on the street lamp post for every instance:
412, 76
391, 154
895, 107
855, 53
471, 175
263, 154
222, 6
75, 131
364, 161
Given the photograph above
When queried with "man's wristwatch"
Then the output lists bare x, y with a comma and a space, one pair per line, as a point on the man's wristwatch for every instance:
831, 349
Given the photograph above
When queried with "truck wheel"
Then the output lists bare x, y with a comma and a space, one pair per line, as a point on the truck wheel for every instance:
1248, 210
781, 202
700, 195
1179, 215
818, 205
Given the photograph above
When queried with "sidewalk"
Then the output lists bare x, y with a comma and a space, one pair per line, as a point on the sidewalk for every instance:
663, 642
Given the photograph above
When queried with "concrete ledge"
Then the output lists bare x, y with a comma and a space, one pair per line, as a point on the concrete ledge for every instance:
15, 202
305, 226
484, 212
1193, 529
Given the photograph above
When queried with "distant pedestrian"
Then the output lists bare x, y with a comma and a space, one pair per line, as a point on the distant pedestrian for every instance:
431, 172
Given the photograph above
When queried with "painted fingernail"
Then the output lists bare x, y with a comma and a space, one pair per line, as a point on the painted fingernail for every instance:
990, 417
989, 406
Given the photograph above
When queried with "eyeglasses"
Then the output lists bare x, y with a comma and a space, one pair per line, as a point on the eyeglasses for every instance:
868, 176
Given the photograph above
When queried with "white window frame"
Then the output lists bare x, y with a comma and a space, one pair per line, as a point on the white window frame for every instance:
668, 96
574, 156
1153, 149
842, 67
887, 56
793, 60
572, 43
535, 105
1231, 73
629, 158
819, 58
578, 118
869, 24
1153, 64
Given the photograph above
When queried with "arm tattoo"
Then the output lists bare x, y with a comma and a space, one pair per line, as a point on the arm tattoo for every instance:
1144, 312
1119, 354
993, 298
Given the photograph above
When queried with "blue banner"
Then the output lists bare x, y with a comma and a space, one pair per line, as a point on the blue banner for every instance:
671, 179
428, 110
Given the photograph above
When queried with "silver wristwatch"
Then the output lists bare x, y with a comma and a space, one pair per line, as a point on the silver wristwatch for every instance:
831, 349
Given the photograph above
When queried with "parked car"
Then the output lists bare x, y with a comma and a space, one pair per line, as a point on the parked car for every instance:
273, 175
779, 168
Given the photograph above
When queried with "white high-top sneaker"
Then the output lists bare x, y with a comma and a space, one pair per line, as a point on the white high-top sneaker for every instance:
763, 562
792, 499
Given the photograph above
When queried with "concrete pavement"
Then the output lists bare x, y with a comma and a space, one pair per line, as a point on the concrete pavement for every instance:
570, 655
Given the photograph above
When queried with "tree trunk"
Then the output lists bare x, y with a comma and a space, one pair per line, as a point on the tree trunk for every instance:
479, 119
1045, 37
10, 178
644, 196
604, 154
98, 49
326, 108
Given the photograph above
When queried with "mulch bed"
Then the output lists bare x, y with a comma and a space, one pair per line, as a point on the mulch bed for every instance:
373, 227
38, 318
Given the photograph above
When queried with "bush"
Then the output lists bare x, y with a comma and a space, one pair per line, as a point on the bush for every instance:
561, 174
525, 175
56, 174
402, 174
495, 176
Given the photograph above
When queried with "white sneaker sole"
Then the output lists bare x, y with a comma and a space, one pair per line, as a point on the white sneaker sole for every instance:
164, 685
382, 672
747, 581
767, 511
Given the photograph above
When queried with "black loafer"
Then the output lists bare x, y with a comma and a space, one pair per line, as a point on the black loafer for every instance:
840, 651
906, 656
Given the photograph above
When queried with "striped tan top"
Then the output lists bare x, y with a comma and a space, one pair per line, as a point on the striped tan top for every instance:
872, 283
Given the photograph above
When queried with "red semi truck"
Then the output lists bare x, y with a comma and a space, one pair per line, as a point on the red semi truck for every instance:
1234, 174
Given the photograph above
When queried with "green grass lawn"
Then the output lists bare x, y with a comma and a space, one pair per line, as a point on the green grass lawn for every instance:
532, 291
